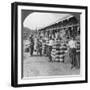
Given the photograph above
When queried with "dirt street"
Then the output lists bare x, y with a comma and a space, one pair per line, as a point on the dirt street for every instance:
40, 66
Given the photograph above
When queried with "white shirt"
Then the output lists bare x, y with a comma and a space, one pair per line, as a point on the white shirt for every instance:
72, 44
50, 42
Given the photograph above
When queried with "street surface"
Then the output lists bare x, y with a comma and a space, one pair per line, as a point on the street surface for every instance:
40, 66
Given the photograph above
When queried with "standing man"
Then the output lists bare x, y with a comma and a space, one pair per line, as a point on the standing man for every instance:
78, 51
72, 48
31, 45
39, 47
51, 41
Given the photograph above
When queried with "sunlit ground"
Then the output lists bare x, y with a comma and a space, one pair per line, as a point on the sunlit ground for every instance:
40, 66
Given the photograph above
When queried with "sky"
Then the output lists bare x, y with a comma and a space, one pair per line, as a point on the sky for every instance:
38, 20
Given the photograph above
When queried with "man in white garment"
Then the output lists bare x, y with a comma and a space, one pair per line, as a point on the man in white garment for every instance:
72, 47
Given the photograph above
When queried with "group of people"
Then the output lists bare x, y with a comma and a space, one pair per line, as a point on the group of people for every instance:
35, 45
57, 48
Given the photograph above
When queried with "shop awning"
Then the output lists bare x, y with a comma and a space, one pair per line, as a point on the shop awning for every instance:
38, 20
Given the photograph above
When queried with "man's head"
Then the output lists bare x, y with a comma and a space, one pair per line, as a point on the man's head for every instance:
50, 37
72, 38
